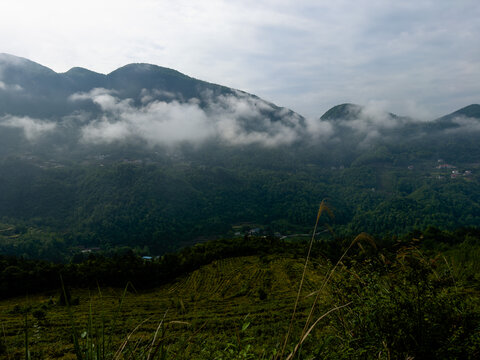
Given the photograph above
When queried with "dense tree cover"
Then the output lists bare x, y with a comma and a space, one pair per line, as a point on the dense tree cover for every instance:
161, 206
19, 276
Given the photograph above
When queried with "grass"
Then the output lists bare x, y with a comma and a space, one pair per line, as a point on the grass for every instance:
194, 317
365, 304
343, 310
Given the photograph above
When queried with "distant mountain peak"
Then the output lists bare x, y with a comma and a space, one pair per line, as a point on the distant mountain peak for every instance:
472, 111
80, 70
17, 63
8, 57
142, 68
138, 67
345, 111
350, 111
447, 121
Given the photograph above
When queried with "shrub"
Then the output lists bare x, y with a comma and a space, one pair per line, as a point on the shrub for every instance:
404, 310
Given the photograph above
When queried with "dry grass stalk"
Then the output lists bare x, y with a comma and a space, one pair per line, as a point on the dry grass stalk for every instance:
360, 237
155, 336
119, 352
321, 209
304, 337
307, 328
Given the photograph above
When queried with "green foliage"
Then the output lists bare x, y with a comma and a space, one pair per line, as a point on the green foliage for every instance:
19, 276
403, 306
416, 296
160, 206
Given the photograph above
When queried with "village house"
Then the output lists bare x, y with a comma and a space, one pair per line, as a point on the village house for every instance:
446, 166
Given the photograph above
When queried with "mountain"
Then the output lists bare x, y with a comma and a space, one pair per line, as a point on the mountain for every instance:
343, 112
470, 111
362, 123
37, 84
150, 158
455, 119
81, 110
137, 103
363, 127
353, 112
83, 79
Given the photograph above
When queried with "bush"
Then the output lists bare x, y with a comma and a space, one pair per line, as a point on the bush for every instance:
407, 309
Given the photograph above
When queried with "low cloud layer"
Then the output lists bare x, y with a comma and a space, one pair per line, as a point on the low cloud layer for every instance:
372, 117
462, 124
157, 123
31, 128
9, 87
372, 123
237, 119
233, 118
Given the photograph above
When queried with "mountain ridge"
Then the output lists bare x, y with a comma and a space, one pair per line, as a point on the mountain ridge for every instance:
130, 79
471, 111
350, 111
44, 93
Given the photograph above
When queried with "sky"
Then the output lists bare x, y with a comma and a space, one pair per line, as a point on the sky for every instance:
417, 58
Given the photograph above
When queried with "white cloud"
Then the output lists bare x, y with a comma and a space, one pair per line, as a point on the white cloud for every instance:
319, 129
10, 87
370, 123
465, 124
32, 128
156, 122
235, 119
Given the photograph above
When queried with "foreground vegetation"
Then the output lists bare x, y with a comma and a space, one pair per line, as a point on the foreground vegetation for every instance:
414, 297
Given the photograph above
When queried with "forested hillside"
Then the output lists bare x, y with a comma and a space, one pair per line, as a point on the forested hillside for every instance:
50, 212
152, 159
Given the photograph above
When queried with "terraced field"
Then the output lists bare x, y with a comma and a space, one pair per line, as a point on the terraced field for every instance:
224, 305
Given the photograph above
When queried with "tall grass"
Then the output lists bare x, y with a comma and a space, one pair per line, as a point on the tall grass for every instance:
103, 339
308, 327
27, 343
321, 209
95, 344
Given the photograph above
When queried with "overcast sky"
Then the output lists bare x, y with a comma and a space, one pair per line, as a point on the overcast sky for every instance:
418, 58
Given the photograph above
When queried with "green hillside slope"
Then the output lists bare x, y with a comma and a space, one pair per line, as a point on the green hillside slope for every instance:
357, 300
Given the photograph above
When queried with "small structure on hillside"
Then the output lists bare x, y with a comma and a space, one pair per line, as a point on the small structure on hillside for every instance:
446, 166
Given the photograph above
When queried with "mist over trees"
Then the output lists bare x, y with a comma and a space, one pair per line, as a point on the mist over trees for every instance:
150, 158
